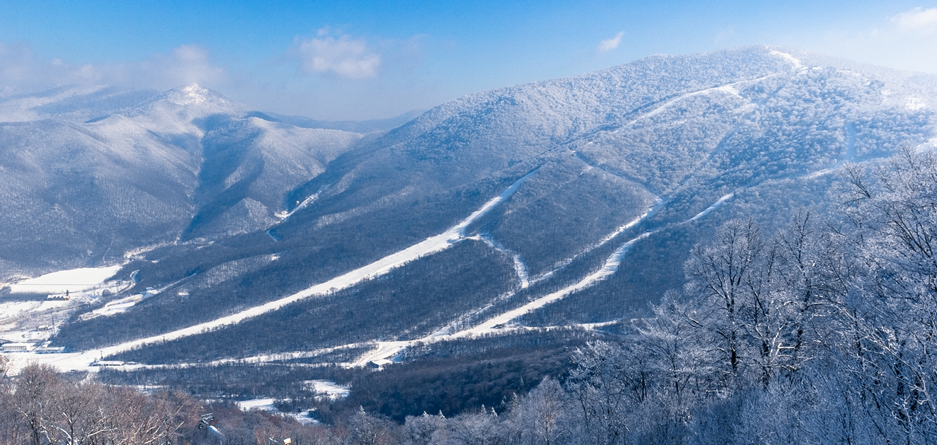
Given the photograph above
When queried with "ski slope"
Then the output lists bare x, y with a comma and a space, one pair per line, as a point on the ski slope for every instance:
429, 246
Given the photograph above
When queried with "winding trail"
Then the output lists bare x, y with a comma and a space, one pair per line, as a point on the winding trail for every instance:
519, 267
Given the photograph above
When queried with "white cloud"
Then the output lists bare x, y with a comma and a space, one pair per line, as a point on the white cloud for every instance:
21, 70
917, 20
610, 44
344, 56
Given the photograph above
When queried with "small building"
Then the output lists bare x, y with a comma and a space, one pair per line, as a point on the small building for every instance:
17, 347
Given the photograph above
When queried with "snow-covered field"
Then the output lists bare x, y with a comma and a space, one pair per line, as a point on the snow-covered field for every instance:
74, 280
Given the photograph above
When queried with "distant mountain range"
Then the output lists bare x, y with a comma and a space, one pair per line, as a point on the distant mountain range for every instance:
566, 202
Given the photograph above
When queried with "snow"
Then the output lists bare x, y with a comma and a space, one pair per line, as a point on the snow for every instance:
260, 404
189, 95
519, 267
74, 280
431, 245
793, 60
609, 268
712, 207
9, 310
329, 388
915, 104
658, 203
306, 202
727, 89
118, 306
385, 351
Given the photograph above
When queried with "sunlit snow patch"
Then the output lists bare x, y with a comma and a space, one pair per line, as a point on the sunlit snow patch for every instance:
74, 280
915, 103
330, 389
793, 60
258, 404
712, 207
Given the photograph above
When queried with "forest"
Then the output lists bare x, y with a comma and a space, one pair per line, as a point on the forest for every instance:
823, 331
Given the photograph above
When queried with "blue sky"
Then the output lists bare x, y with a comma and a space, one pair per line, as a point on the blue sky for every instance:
364, 59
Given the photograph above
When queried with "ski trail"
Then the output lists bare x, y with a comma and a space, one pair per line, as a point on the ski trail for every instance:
385, 351
519, 267
610, 267
850, 155
306, 203
253, 360
618, 231
431, 245
714, 206
729, 88
798, 65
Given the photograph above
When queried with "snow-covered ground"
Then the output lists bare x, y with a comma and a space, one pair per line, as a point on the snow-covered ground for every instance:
35, 321
714, 206
328, 388
383, 352
798, 65
74, 280
658, 204
519, 267
431, 245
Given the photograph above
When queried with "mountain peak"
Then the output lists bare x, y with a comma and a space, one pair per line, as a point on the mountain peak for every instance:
191, 94
192, 100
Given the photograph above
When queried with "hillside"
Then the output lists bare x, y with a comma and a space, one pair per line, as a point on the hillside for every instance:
566, 203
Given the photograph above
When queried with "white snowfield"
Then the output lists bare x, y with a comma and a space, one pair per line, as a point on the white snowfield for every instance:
431, 245
74, 280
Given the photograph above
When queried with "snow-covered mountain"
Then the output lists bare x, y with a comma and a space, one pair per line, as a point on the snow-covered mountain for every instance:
566, 202
177, 165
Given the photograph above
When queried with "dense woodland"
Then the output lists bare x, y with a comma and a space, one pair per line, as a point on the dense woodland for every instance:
823, 331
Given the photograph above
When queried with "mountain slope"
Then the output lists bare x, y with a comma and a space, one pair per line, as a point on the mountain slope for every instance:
628, 168
181, 164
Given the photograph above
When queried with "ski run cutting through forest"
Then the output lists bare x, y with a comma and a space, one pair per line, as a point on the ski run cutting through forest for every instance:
429, 246
382, 352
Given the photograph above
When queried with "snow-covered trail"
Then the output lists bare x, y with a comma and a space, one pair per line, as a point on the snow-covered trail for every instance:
658, 204
519, 267
384, 351
431, 245
729, 89
609, 268
712, 207
387, 350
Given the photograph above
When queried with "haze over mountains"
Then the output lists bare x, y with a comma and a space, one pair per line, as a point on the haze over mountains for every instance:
607, 180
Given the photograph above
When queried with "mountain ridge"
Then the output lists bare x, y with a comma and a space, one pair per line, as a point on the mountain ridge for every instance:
697, 139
